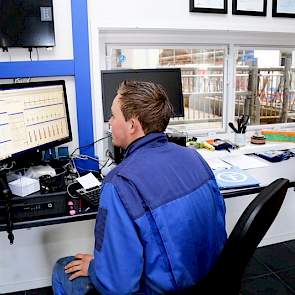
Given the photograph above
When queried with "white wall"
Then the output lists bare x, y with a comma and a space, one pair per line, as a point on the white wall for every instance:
174, 14
28, 263
172, 18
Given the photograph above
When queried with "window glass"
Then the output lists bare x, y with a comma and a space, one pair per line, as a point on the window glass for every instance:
265, 86
202, 78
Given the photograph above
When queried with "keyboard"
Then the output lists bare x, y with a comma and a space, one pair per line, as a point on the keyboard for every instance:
90, 195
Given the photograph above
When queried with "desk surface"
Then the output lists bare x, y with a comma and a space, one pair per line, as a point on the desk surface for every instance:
265, 176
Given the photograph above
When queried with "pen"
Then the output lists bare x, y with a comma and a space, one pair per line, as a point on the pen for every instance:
232, 126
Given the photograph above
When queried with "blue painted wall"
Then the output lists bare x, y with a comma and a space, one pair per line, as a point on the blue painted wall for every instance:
82, 74
26, 69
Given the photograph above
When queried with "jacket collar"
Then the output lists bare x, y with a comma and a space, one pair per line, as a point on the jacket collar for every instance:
149, 139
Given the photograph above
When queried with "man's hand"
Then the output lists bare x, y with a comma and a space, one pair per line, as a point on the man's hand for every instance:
79, 266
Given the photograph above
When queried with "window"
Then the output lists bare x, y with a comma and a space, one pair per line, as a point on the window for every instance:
265, 85
221, 79
202, 78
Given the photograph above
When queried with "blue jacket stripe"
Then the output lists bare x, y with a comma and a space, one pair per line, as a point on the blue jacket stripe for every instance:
117, 267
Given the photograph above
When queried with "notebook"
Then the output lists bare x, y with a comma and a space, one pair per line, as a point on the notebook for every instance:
234, 178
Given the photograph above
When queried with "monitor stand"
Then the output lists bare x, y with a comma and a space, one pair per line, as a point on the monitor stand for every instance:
29, 159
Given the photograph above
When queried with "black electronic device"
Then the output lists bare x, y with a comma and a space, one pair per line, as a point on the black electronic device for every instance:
5, 199
118, 154
169, 79
37, 206
175, 137
91, 195
50, 184
274, 156
26, 23
34, 116
220, 144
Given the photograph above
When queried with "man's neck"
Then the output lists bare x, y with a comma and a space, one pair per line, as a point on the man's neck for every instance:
133, 141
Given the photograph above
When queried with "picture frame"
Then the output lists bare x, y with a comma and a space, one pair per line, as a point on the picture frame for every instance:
208, 6
283, 8
249, 7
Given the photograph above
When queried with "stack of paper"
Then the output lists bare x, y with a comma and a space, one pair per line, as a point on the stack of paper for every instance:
244, 162
216, 163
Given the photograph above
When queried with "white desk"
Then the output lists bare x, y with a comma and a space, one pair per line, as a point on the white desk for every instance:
36, 249
283, 228
266, 175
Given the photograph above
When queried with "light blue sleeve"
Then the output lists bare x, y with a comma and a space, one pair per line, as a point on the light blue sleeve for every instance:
118, 256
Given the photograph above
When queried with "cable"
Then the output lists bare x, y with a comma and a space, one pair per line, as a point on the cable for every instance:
85, 157
4, 167
74, 165
106, 162
109, 154
69, 191
90, 144
30, 50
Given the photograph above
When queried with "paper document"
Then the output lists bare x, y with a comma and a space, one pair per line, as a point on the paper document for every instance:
88, 181
216, 163
244, 162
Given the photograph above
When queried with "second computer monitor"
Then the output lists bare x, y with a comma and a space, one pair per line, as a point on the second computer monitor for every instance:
169, 79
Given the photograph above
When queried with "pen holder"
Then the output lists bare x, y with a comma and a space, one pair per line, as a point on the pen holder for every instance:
240, 139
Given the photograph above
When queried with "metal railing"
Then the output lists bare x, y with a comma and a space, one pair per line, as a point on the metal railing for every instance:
267, 95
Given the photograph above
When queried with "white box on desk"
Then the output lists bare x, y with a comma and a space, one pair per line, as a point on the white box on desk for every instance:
24, 186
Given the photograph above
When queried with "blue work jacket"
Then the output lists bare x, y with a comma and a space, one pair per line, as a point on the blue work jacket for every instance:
160, 225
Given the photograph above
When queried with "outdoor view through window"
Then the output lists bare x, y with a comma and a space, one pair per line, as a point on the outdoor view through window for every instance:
265, 86
264, 82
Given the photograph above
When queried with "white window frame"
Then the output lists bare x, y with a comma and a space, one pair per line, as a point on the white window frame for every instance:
231, 41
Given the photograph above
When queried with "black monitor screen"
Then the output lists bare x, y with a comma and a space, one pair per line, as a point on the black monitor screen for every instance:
169, 79
26, 23
33, 116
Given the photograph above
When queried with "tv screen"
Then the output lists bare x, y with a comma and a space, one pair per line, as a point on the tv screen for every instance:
26, 23
169, 79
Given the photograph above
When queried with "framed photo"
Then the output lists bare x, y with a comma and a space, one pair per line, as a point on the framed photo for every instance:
283, 8
249, 7
208, 6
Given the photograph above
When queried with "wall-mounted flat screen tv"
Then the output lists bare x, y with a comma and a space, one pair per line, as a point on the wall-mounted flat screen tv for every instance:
26, 23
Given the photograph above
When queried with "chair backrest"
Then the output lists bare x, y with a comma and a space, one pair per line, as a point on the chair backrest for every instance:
226, 275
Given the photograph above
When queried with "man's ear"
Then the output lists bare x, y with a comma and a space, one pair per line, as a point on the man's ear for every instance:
134, 126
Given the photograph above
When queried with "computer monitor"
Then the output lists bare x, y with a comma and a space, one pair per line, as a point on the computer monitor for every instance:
33, 116
170, 80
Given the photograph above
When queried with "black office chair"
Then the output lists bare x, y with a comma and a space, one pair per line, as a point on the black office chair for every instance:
226, 275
